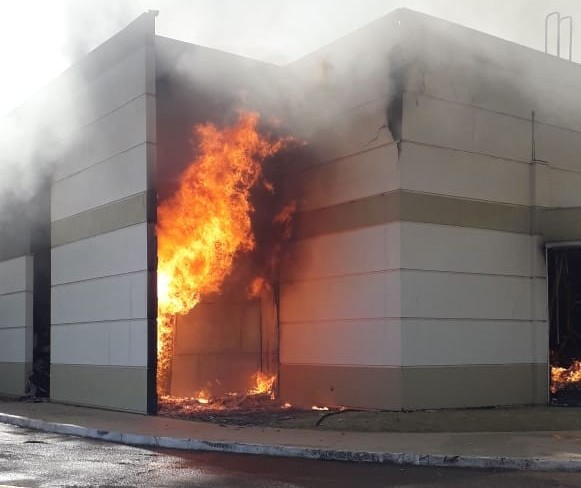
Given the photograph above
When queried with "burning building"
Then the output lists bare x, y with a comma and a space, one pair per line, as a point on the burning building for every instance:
376, 225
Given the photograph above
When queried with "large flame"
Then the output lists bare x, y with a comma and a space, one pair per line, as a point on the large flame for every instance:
207, 222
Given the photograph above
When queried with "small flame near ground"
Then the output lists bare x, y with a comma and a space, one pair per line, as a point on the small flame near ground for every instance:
205, 224
203, 400
561, 377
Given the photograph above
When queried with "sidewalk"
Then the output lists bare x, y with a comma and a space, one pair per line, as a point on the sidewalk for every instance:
515, 450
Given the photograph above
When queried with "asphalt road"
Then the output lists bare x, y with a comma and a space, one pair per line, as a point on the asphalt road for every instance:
36, 459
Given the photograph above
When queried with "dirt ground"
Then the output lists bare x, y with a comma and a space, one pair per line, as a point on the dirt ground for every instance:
513, 419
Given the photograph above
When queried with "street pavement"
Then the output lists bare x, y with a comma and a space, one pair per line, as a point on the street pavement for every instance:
542, 451
39, 459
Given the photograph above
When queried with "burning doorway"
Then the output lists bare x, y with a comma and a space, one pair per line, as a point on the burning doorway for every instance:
220, 234
564, 286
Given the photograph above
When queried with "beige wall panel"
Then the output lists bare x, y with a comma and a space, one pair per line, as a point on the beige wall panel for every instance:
116, 178
474, 386
469, 250
466, 128
427, 294
363, 250
356, 342
117, 343
364, 174
560, 224
13, 378
560, 147
115, 387
107, 218
365, 296
450, 172
456, 342
350, 386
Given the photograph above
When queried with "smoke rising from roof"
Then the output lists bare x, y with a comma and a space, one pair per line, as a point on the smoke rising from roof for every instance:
36, 47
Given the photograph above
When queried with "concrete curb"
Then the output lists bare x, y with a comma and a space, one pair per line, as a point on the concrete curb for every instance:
415, 459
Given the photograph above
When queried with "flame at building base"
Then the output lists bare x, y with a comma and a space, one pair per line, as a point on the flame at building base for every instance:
204, 226
561, 377
259, 395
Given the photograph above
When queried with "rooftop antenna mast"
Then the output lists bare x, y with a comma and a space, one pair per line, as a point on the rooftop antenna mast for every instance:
560, 20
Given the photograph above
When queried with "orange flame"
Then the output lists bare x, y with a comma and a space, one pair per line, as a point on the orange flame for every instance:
263, 384
207, 222
562, 376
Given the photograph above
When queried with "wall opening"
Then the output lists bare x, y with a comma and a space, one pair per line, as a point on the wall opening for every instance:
564, 298
222, 224
39, 380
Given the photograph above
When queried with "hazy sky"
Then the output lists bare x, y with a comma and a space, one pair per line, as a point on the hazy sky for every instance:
40, 38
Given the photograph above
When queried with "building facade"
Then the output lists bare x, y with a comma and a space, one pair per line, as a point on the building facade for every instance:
442, 163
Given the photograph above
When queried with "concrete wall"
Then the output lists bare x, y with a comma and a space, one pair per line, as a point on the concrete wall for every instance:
417, 276
217, 347
474, 290
340, 282
102, 232
16, 321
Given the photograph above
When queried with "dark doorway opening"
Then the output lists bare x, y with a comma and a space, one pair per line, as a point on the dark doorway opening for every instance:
564, 290
39, 381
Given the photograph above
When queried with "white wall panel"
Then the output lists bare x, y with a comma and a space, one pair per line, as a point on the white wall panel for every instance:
565, 188
16, 275
373, 295
464, 249
114, 179
120, 343
357, 251
14, 345
450, 172
362, 175
437, 122
117, 252
119, 131
357, 342
115, 86
501, 135
350, 132
427, 294
456, 342
16, 310
560, 147
465, 128
111, 298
